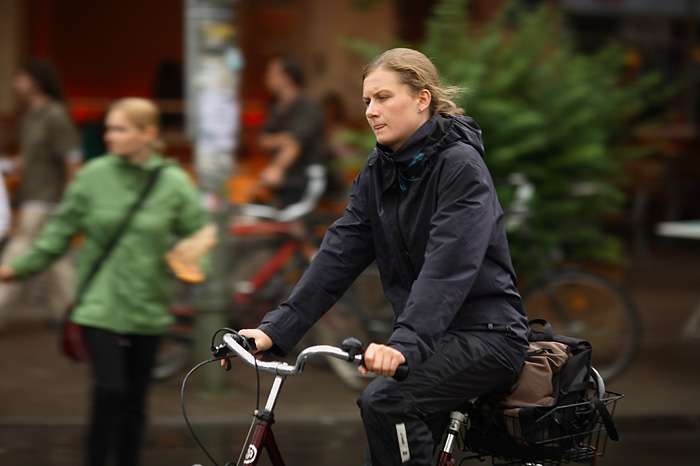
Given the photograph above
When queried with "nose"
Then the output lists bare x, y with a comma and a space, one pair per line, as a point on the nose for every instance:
370, 111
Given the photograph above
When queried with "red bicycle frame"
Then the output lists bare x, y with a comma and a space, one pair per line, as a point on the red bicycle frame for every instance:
296, 242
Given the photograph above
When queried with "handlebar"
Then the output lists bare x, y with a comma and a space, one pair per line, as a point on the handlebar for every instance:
237, 344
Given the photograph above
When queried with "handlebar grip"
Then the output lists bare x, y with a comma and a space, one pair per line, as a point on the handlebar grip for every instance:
246, 342
401, 373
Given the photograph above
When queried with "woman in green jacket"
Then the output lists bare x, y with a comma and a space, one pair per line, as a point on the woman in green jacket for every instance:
124, 310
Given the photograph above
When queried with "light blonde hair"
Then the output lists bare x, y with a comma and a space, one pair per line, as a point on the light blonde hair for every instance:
417, 72
142, 113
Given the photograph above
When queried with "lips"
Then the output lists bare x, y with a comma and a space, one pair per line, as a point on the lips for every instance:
378, 127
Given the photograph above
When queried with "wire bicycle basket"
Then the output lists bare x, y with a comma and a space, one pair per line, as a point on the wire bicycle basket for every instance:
574, 433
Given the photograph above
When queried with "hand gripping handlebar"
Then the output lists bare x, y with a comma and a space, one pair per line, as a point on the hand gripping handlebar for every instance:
351, 352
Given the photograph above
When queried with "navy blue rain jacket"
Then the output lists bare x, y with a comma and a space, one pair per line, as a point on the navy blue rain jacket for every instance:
455, 273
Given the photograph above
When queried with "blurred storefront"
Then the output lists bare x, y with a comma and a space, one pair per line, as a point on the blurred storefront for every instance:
112, 48
660, 37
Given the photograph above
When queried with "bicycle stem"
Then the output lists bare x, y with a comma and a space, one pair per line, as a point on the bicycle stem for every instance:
274, 393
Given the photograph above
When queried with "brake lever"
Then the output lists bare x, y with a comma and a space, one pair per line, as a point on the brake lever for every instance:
222, 351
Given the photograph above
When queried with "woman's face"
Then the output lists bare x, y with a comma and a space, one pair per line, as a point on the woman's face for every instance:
123, 138
393, 111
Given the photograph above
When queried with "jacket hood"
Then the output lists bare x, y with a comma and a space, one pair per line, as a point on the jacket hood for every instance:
460, 128
455, 128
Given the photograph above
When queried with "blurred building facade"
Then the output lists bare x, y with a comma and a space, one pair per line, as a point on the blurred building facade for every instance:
112, 48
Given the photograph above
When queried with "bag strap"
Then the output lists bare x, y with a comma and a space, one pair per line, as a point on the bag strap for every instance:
390, 201
119, 233
606, 418
546, 325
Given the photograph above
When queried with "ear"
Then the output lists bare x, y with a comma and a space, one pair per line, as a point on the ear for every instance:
424, 99
151, 132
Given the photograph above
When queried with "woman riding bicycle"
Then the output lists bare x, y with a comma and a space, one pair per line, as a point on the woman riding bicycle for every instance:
425, 208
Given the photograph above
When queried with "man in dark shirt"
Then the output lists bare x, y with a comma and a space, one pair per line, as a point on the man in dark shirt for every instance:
292, 134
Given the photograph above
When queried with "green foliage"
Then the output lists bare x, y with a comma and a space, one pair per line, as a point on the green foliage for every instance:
547, 111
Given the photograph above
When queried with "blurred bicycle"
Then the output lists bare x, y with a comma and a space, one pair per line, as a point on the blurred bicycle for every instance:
577, 303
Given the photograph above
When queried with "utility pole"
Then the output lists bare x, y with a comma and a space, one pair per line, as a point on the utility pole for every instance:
213, 64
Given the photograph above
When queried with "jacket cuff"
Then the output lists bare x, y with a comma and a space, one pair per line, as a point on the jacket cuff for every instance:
406, 342
410, 352
279, 345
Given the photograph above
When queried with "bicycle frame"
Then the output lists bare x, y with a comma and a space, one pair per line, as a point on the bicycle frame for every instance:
457, 418
262, 436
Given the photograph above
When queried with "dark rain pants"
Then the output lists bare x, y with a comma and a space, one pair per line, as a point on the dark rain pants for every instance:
405, 420
121, 369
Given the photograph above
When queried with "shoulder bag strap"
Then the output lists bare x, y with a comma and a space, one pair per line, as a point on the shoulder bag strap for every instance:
119, 233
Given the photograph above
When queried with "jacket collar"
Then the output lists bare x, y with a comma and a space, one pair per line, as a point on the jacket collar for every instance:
413, 146
154, 161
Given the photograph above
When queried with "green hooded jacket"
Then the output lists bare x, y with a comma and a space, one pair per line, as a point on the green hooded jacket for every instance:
131, 292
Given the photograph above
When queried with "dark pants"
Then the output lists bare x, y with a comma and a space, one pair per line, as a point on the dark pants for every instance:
121, 370
463, 367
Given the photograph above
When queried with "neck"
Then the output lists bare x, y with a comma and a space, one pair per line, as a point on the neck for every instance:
37, 101
140, 157
287, 95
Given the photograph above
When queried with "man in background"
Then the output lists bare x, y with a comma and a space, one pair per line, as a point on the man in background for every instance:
292, 134
50, 154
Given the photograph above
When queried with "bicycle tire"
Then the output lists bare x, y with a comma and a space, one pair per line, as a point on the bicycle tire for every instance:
588, 306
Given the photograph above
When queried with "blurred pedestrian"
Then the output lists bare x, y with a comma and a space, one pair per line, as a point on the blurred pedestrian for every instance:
292, 134
50, 153
125, 308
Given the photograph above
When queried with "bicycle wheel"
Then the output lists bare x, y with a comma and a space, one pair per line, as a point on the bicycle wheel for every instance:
590, 307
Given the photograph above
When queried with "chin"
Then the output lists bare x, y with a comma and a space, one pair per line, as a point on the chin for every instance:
384, 141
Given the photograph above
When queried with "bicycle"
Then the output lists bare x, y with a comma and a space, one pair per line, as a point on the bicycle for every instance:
588, 306
578, 303
465, 429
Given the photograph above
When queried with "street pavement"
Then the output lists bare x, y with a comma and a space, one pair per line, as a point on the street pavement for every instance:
44, 398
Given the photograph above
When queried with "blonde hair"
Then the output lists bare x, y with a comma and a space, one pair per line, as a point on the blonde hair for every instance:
417, 71
142, 113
